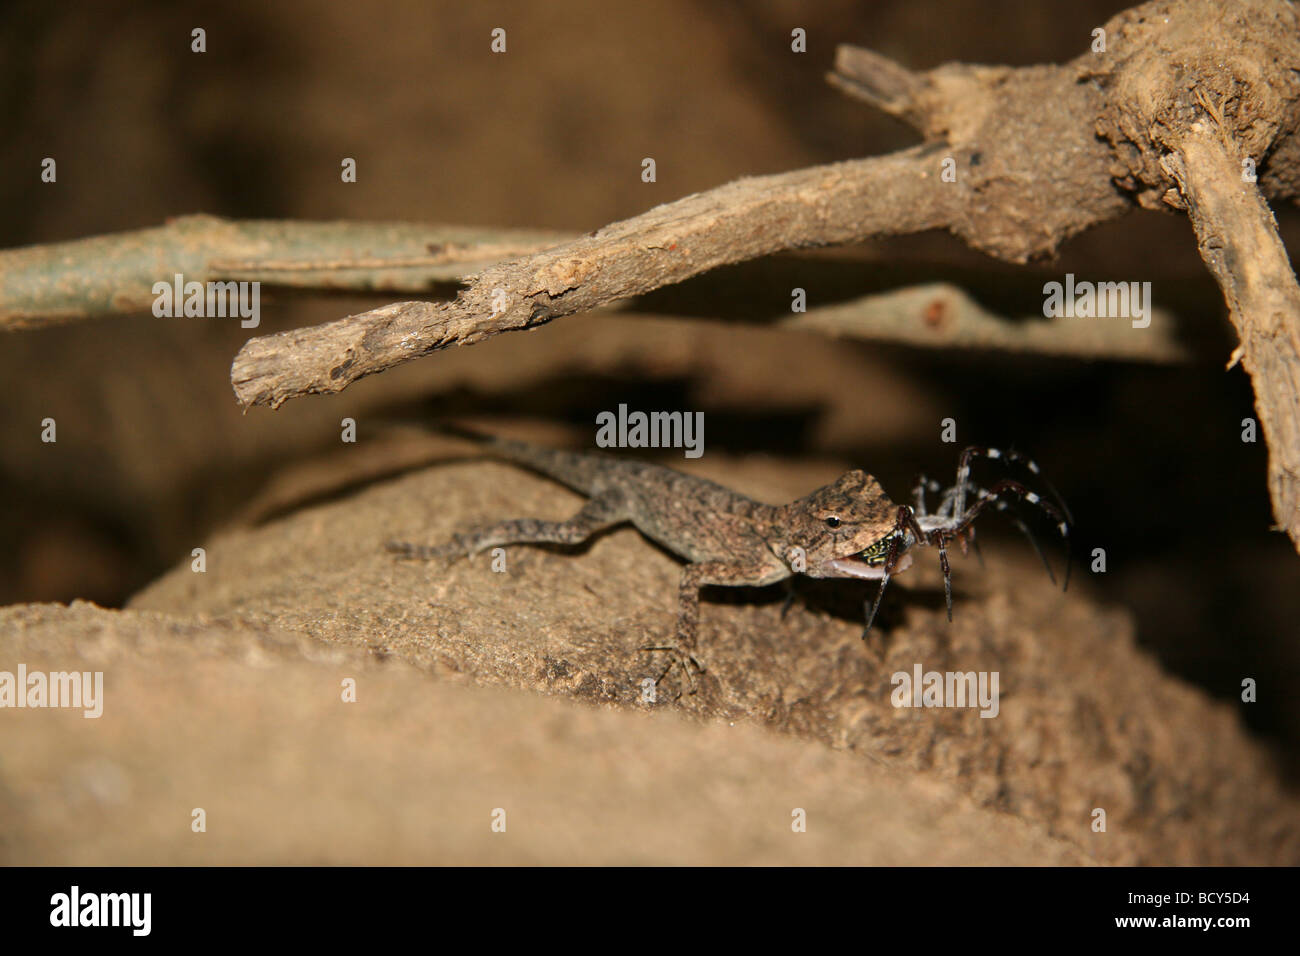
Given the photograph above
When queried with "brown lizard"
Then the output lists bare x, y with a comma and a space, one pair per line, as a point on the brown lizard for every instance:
847, 529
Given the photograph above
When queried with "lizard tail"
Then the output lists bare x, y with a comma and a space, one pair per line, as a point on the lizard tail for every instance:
566, 467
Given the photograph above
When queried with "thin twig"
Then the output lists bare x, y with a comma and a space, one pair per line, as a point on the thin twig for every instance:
59, 282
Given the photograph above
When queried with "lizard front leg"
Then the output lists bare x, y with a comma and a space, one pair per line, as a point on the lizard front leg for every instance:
599, 513
697, 576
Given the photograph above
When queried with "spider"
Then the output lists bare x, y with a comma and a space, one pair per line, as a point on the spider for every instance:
953, 520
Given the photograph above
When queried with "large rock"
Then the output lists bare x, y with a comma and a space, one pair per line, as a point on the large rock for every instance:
1086, 720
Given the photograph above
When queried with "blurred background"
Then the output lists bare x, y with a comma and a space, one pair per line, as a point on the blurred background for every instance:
154, 455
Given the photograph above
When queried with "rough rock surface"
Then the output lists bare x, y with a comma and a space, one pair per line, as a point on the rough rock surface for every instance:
1086, 721
248, 725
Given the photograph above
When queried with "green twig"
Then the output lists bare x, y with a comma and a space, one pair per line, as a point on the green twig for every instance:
111, 274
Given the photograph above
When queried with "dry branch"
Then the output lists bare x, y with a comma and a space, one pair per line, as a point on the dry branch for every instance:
62, 281
1238, 239
843, 202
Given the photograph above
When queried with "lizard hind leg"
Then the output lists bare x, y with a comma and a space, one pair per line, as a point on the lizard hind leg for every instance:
600, 512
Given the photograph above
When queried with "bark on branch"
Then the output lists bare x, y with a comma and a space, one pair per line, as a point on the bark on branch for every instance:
843, 202
58, 282
1238, 240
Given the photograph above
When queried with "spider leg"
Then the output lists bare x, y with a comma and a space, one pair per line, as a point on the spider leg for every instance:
963, 479
1012, 457
1024, 529
1007, 485
789, 597
1032, 467
942, 542
1005, 507
871, 607
906, 522
923, 485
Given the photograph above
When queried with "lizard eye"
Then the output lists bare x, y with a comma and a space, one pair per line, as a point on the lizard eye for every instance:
832, 522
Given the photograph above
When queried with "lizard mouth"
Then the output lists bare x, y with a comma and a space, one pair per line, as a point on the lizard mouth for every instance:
855, 567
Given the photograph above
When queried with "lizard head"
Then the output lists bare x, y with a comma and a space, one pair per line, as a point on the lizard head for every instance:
845, 530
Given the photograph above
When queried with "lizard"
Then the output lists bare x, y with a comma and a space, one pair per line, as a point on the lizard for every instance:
849, 528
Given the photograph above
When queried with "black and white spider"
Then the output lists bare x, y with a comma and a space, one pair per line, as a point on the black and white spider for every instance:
954, 518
